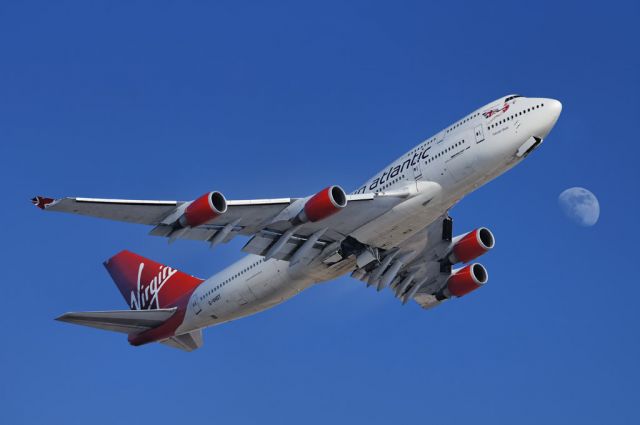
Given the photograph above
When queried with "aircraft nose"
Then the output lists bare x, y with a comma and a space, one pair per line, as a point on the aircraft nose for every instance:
553, 108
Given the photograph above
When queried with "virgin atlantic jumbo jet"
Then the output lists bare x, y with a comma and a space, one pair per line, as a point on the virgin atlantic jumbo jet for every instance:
394, 231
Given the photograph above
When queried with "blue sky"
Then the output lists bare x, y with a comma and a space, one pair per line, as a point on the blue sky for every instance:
167, 100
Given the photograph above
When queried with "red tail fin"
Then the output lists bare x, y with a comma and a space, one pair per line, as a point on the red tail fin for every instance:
148, 285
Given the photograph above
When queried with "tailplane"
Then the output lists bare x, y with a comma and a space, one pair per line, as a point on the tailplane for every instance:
134, 323
158, 297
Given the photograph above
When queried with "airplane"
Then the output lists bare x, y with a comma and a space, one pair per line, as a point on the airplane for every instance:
392, 232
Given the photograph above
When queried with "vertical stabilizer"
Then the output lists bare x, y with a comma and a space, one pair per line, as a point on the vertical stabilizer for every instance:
146, 284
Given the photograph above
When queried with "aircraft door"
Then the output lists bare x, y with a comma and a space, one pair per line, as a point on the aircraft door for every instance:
462, 162
195, 304
241, 293
479, 133
417, 170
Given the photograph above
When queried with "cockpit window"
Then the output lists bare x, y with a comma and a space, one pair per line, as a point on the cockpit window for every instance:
512, 97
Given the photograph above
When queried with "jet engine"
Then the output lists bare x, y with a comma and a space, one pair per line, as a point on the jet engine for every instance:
203, 209
472, 245
465, 280
323, 204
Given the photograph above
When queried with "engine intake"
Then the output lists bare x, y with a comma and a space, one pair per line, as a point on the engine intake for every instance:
323, 204
203, 209
472, 245
466, 279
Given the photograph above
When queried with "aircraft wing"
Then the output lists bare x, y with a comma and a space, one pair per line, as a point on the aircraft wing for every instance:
266, 221
420, 268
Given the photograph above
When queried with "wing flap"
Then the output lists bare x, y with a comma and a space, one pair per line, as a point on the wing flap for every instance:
264, 240
413, 270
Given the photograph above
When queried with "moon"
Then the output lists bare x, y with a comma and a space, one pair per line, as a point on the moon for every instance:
580, 205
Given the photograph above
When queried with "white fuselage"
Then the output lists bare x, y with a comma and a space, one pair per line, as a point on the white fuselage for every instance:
442, 169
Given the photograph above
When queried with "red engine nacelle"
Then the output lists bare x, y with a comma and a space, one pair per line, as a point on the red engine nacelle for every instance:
323, 204
467, 279
204, 209
472, 245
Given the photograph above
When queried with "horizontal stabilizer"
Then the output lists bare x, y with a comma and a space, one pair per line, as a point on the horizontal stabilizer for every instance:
186, 342
125, 321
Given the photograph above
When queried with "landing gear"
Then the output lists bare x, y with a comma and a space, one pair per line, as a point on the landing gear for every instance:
447, 229
447, 235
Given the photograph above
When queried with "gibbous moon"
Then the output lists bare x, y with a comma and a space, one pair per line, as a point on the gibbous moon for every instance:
580, 205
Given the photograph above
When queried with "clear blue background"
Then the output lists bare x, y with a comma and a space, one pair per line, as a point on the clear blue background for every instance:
167, 100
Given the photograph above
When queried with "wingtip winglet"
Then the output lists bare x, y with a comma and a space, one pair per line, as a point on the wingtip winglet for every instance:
41, 201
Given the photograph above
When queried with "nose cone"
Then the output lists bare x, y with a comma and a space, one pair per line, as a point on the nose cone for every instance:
555, 107
552, 109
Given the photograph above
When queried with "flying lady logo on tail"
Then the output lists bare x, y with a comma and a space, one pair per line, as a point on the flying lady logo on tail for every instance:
495, 111
41, 202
